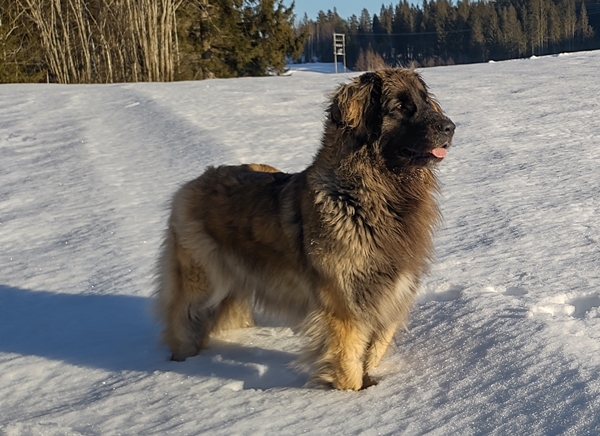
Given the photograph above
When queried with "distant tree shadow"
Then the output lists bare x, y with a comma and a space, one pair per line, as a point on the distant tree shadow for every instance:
118, 333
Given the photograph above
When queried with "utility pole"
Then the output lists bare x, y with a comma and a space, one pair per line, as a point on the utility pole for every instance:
339, 49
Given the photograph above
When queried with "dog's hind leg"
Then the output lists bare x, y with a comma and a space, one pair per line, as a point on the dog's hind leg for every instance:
233, 313
182, 296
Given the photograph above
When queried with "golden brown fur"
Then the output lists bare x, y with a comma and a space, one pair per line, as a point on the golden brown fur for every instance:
338, 248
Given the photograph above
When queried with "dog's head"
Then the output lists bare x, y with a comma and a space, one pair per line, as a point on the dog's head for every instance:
393, 111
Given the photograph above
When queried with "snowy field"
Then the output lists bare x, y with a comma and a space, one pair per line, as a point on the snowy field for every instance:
505, 337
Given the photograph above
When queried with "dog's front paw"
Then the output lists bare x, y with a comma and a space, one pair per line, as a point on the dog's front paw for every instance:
367, 382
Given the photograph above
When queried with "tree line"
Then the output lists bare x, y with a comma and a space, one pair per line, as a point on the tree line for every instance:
439, 32
106, 41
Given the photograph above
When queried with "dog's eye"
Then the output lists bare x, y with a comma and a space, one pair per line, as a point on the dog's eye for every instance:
405, 108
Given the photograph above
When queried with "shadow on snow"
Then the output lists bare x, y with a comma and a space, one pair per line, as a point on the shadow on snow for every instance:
118, 333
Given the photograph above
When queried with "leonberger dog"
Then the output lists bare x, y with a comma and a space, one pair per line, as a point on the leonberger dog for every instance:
338, 248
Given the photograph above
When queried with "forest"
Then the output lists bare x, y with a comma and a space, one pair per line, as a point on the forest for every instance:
440, 32
108, 41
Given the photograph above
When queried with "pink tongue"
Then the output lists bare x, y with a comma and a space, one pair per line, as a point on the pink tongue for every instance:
439, 152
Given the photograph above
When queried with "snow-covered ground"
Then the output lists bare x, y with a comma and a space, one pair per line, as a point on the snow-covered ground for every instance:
318, 67
505, 338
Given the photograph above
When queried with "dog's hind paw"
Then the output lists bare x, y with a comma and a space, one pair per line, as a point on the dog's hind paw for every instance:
177, 358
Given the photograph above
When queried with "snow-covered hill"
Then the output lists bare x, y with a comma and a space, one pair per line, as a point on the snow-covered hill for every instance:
505, 338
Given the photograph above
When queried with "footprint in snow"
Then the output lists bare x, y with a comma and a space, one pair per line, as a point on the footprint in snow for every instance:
512, 291
582, 307
515, 291
453, 292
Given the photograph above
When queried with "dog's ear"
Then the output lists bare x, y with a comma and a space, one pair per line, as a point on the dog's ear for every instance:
356, 106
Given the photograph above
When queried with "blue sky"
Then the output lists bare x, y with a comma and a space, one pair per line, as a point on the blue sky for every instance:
345, 8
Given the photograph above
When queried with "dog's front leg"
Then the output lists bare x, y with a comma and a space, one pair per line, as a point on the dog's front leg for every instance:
341, 358
377, 347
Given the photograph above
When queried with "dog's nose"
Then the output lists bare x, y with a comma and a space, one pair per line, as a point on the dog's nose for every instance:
447, 127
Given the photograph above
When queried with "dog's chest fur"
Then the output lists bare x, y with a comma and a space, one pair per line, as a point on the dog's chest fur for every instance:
375, 232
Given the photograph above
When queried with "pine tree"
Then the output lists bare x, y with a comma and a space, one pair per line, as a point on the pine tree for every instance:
584, 30
492, 32
404, 18
513, 38
231, 38
441, 19
273, 38
554, 26
537, 25
386, 17
569, 22
460, 40
477, 35
364, 23
404, 23
197, 33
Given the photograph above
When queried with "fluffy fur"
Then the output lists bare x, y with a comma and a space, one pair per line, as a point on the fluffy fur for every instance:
339, 247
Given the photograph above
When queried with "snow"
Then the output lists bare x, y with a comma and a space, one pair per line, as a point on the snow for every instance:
505, 337
318, 67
